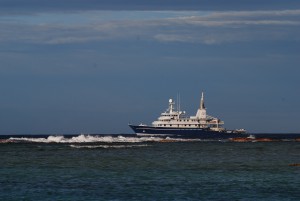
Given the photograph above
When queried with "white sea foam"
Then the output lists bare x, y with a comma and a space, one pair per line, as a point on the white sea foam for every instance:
87, 139
96, 138
107, 146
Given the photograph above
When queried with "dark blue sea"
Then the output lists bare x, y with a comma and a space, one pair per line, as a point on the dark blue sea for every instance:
97, 167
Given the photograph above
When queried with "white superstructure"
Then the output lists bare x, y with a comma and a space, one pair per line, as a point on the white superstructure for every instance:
172, 118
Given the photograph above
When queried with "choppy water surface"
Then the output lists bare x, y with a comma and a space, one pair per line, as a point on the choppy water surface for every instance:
121, 168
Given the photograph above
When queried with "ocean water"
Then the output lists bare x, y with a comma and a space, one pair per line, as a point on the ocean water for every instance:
129, 168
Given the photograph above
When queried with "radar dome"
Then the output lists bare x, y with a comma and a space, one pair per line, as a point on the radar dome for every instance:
170, 100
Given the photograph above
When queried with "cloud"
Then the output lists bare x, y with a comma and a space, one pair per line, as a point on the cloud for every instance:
258, 13
233, 26
198, 27
281, 17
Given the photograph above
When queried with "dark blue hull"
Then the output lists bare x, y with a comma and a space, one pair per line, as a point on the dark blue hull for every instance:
200, 133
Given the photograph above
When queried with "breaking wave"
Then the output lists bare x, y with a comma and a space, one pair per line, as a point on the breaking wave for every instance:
86, 139
94, 139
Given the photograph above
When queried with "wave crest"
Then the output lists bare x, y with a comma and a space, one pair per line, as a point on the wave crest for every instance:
86, 139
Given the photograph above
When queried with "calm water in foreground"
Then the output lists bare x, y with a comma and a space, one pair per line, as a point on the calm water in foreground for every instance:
134, 169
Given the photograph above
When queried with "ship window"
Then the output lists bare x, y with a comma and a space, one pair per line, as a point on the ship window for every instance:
164, 124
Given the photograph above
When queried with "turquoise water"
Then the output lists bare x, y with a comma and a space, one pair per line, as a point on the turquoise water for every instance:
149, 170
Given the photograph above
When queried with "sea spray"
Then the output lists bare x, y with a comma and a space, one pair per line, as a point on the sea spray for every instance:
108, 146
98, 139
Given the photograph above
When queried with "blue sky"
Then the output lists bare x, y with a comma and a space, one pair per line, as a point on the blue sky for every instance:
93, 66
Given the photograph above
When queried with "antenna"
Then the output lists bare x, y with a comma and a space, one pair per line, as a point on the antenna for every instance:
179, 102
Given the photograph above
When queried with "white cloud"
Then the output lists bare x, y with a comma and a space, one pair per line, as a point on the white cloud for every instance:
257, 13
205, 27
286, 17
219, 27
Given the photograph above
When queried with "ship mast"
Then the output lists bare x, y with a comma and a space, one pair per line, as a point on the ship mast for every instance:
201, 113
202, 102
171, 105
